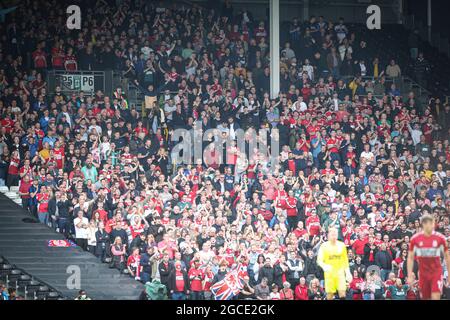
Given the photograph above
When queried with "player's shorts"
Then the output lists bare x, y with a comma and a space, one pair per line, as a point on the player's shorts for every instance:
335, 282
429, 284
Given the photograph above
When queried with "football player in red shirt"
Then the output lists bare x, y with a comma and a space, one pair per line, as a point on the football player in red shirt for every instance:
426, 247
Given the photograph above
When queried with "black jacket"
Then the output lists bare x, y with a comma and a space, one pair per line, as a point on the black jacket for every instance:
102, 238
311, 267
63, 208
172, 281
267, 272
361, 268
383, 259
278, 275
52, 207
367, 255
146, 263
164, 272
219, 276
157, 230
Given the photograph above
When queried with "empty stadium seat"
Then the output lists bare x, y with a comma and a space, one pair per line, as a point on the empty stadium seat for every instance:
4, 189
32, 288
5, 270
14, 189
52, 296
42, 292
13, 277
23, 281
12, 195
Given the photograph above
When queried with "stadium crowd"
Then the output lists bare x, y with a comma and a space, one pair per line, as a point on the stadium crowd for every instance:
356, 154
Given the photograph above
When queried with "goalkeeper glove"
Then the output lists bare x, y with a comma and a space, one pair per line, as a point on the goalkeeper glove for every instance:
326, 268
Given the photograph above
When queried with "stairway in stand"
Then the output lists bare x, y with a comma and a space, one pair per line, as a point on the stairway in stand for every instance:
24, 244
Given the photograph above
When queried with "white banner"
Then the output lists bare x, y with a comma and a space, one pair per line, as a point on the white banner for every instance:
75, 82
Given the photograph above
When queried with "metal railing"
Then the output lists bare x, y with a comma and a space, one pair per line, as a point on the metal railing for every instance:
108, 81
403, 83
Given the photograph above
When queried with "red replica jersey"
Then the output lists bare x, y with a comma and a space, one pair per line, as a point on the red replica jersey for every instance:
327, 171
139, 130
27, 171
134, 261
312, 130
57, 57
14, 166
70, 63
39, 59
8, 124
59, 156
299, 233
291, 207
103, 215
196, 276
43, 199
281, 197
308, 208
128, 157
190, 197
428, 250
332, 145
313, 225
358, 246
137, 229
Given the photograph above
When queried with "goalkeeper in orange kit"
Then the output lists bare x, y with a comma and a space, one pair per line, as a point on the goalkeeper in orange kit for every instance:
333, 259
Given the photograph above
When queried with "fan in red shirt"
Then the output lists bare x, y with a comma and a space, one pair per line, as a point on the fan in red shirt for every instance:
57, 56
58, 153
313, 224
216, 88
426, 248
313, 129
103, 214
196, 277
301, 290
43, 198
359, 244
13, 169
26, 170
70, 61
134, 264
327, 169
24, 191
300, 230
260, 32
356, 285
140, 128
280, 197
391, 186
7, 123
333, 143
291, 209
234, 35
111, 223
39, 58
190, 195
